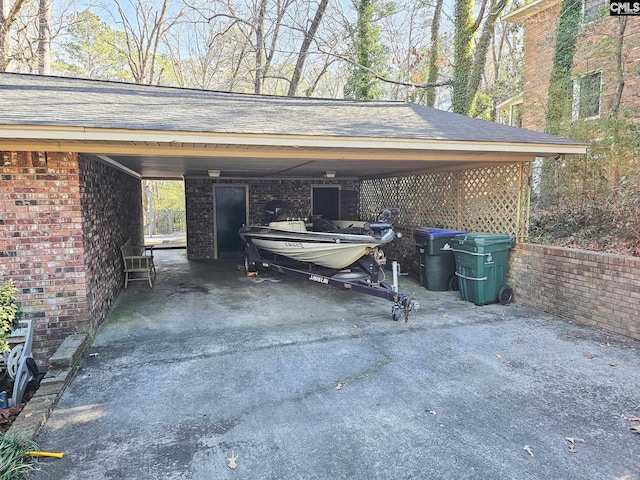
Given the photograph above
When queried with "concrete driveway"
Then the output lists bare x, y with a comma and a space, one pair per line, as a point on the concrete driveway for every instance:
295, 380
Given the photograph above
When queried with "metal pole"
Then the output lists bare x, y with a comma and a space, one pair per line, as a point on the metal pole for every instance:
395, 268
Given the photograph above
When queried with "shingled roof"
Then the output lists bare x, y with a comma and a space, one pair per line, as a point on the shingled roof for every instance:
35, 100
52, 109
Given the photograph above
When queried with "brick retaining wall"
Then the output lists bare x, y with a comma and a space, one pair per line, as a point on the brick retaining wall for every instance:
598, 289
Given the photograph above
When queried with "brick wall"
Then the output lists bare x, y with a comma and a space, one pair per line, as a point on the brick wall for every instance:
200, 215
539, 42
41, 244
598, 289
111, 213
595, 52
62, 220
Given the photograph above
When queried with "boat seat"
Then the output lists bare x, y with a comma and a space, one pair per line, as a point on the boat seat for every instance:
323, 225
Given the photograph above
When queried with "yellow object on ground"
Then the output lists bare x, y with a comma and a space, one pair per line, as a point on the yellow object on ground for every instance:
45, 454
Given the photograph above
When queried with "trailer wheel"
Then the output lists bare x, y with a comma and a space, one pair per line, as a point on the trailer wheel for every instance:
395, 313
452, 283
505, 294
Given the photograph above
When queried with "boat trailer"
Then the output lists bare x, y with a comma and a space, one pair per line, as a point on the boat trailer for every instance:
365, 276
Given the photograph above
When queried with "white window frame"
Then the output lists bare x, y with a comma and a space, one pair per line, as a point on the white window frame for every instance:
596, 13
575, 107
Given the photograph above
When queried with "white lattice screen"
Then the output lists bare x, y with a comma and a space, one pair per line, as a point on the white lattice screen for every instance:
490, 199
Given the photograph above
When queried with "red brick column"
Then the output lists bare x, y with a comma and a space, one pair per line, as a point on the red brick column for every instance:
41, 243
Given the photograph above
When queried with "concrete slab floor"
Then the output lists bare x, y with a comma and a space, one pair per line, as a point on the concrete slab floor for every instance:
299, 380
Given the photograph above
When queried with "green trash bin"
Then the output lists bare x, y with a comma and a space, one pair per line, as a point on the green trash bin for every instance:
481, 267
437, 265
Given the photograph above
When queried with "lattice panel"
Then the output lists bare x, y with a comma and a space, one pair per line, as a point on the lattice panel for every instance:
491, 199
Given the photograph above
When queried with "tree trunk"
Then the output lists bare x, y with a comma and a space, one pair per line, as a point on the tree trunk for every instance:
8, 14
619, 65
482, 48
44, 40
304, 49
434, 58
260, 47
462, 48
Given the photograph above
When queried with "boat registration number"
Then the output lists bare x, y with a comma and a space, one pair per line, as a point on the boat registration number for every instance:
293, 244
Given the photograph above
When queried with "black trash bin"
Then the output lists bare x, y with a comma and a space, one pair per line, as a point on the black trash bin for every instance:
437, 263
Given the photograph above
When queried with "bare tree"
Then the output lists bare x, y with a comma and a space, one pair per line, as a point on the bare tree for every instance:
44, 38
9, 11
144, 35
304, 48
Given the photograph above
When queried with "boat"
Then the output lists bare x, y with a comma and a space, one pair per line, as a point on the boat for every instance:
344, 254
334, 244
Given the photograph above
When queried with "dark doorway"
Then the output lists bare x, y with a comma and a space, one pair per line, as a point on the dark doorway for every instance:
326, 202
231, 214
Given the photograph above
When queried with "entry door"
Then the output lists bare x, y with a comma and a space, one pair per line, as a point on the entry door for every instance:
231, 214
326, 202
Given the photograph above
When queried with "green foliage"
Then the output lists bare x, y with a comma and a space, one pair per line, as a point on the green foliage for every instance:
92, 49
165, 195
462, 53
370, 54
10, 312
561, 80
14, 463
595, 200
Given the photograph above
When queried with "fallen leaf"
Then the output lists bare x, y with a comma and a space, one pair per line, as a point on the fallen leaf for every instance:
519, 340
232, 460
613, 364
432, 412
353, 335
588, 355
499, 357
445, 315
527, 449
574, 440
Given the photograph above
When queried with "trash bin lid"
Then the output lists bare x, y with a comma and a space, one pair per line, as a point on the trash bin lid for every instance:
431, 233
484, 239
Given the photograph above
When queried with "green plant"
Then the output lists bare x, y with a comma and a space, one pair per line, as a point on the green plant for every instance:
10, 312
15, 464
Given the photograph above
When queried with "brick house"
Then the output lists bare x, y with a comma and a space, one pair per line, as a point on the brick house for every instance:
73, 153
595, 81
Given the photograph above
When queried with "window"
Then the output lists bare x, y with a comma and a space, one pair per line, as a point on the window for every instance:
586, 96
593, 10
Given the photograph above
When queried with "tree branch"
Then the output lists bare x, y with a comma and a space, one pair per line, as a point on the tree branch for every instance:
443, 83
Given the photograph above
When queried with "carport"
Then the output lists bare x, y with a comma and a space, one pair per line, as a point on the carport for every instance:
74, 151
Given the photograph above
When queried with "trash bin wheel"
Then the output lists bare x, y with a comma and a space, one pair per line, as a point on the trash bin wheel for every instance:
452, 283
505, 294
395, 313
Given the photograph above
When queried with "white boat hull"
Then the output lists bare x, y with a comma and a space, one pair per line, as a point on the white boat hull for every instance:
328, 249
336, 255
